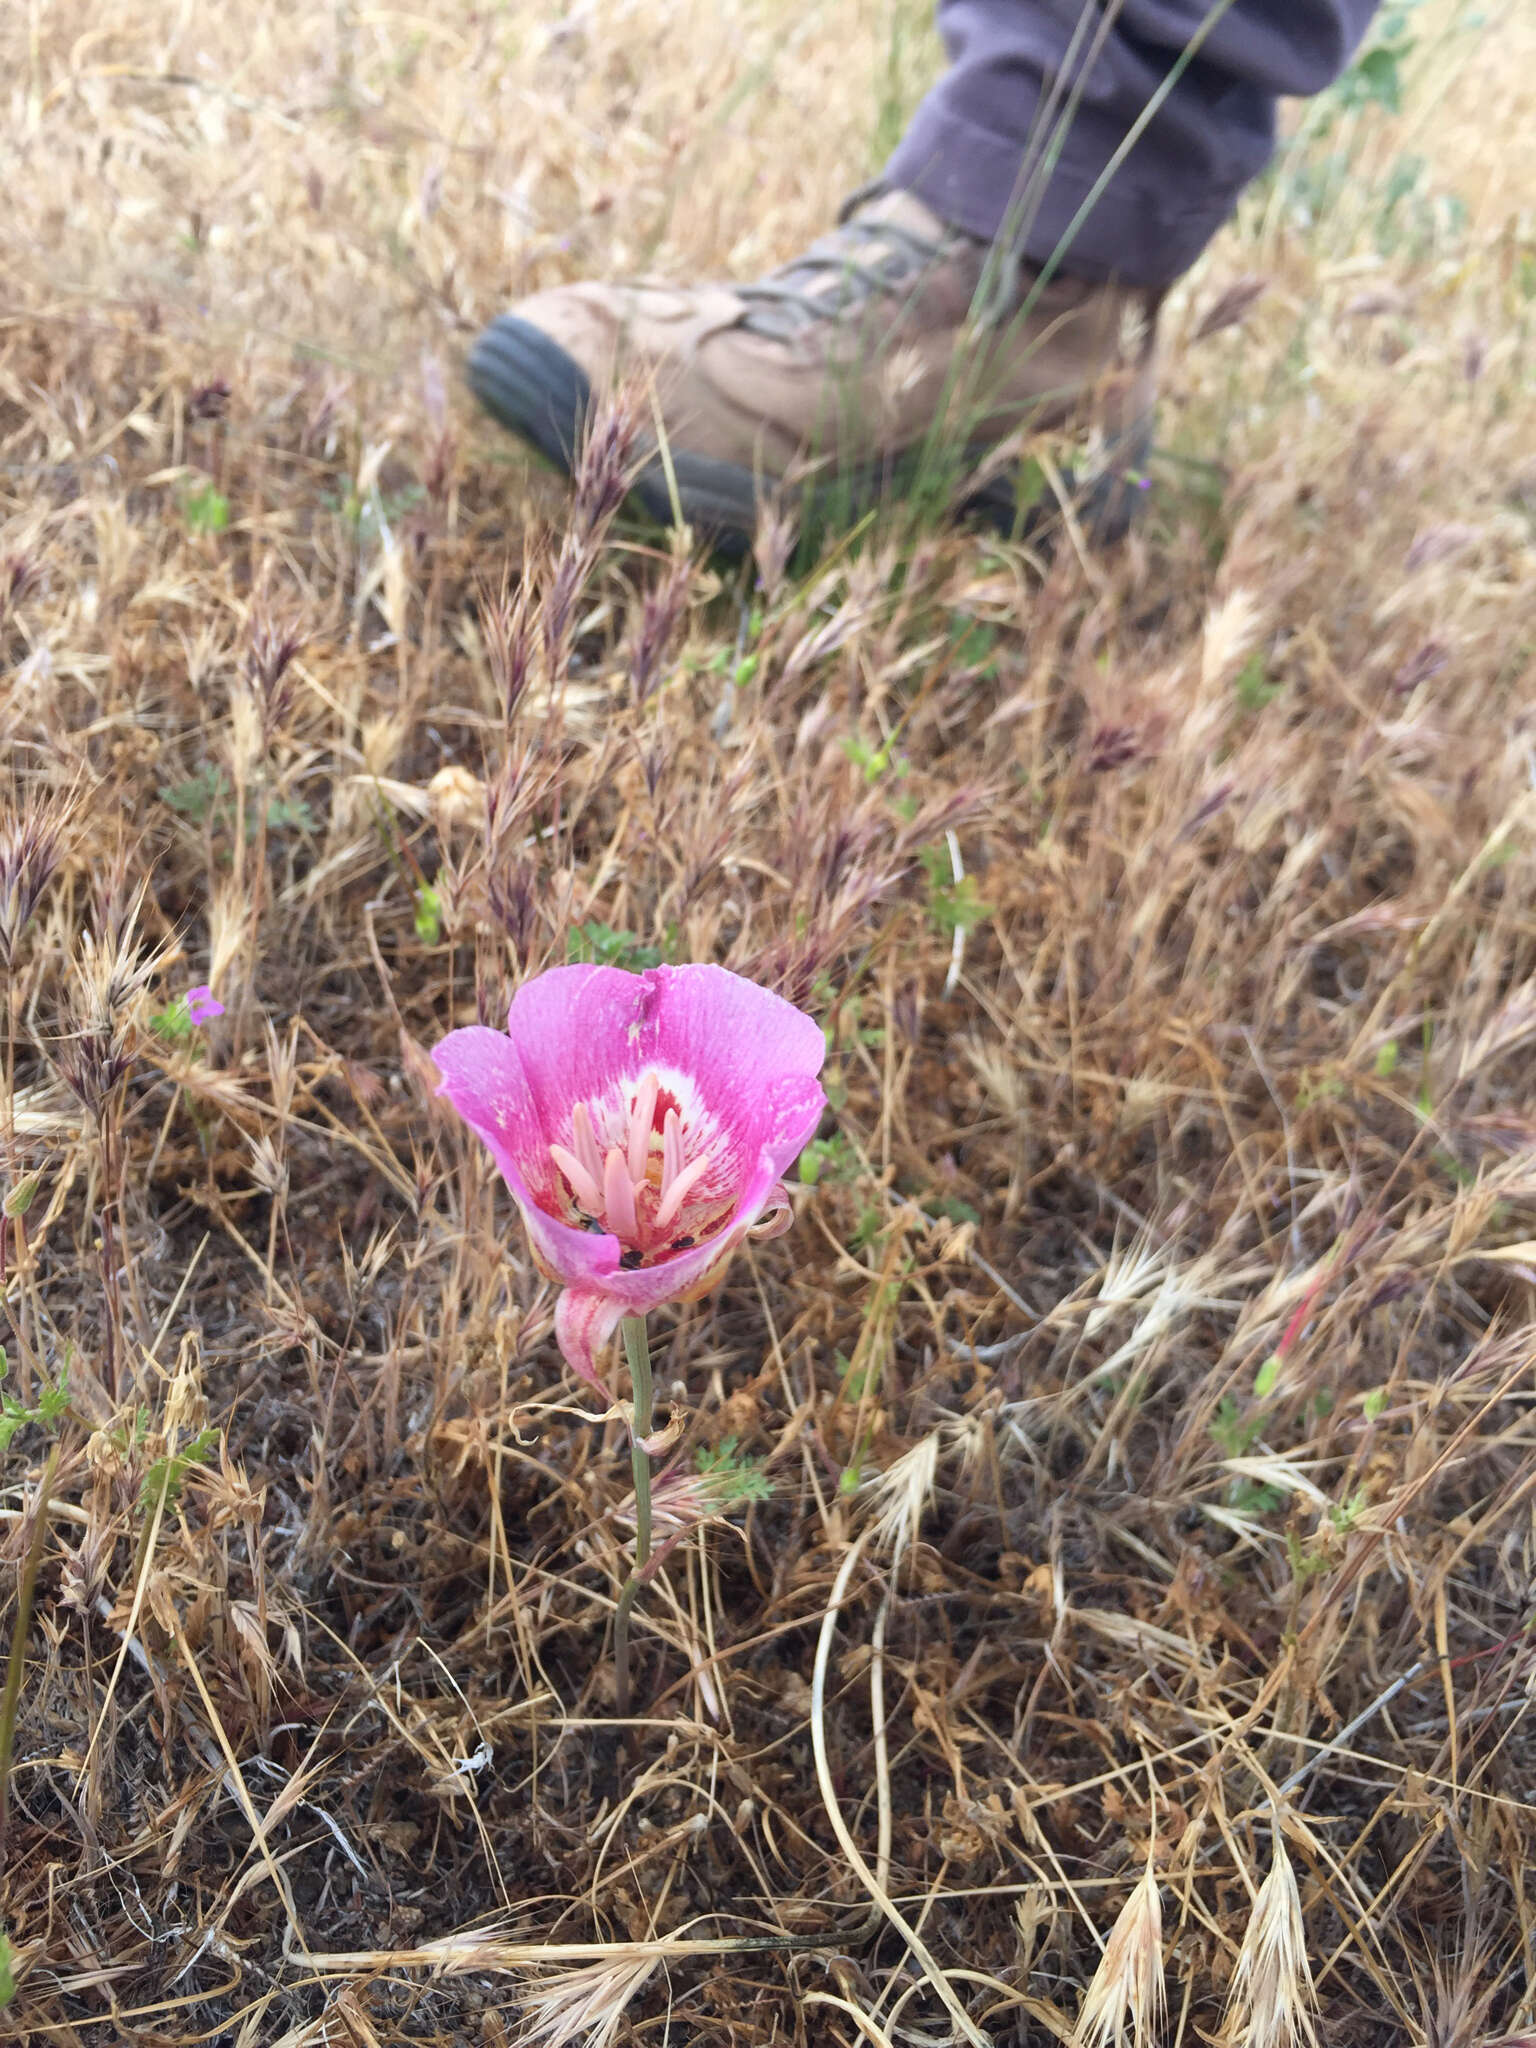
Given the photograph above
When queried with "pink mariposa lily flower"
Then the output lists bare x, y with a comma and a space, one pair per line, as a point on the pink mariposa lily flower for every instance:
642, 1122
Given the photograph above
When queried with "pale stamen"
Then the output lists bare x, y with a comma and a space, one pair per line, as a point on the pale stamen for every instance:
671, 1150
586, 1187
619, 1196
641, 1118
584, 1138
680, 1186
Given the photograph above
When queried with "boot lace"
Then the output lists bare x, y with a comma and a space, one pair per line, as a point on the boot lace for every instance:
830, 280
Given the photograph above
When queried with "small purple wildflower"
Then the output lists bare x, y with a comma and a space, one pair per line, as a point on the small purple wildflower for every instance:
203, 1005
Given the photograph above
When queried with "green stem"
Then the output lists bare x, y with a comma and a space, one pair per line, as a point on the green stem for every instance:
637, 1353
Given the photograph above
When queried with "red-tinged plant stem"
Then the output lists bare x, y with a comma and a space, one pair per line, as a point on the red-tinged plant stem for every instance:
113, 1339
18, 1318
15, 1663
638, 1354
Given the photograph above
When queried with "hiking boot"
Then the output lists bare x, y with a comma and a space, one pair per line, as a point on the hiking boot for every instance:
893, 345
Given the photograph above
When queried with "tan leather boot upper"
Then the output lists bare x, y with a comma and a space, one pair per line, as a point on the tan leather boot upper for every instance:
891, 328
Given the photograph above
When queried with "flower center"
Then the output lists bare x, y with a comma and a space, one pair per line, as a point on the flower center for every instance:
633, 1171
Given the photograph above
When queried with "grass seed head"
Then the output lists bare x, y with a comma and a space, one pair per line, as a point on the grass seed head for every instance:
1128, 1989
583, 2008
108, 980
899, 1496
33, 837
271, 649
1271, 2000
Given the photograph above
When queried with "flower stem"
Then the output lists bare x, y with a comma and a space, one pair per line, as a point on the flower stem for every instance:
638, 1354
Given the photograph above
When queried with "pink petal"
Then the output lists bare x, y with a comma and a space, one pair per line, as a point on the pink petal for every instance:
571, 1027
579, 1031
483, 1078
584, 1324
789, 1112
589, 1262
747, 1049
776, 1217
674, 1278
580, 1258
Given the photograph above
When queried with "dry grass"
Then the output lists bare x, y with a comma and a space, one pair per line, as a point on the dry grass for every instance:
1149, 1375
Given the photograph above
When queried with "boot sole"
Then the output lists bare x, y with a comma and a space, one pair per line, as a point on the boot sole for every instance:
531, 386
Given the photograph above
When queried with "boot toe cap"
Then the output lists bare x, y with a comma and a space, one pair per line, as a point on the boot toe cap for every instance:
529, 382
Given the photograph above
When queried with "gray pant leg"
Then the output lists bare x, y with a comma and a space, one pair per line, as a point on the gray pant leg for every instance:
987, 150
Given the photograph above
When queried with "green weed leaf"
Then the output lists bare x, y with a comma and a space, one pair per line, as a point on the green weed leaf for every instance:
206, 510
